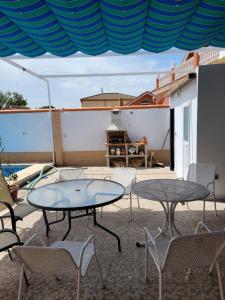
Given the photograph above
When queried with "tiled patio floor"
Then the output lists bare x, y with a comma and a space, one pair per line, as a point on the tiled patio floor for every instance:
123, 272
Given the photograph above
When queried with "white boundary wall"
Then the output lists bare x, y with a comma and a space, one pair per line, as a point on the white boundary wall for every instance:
81, 130
26, 132
86, 130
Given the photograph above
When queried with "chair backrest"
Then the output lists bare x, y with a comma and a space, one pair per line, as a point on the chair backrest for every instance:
39, 259
202, 173
194, 250
71, 173
5, 194
124, 176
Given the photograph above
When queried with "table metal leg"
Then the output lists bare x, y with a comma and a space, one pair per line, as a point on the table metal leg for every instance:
47, 224
107, 230
166, 221
69, 225
173, 213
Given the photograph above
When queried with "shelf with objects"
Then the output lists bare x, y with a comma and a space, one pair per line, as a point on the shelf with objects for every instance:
120, 150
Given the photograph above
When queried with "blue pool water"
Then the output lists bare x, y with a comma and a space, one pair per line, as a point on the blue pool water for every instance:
7, 170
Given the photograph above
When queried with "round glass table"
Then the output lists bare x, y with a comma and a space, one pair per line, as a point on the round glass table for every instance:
169, 192
75, 195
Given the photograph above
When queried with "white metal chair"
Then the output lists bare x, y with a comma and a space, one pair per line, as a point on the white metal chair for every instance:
61, 257
126, 177
71, 173
204, 174
185, 252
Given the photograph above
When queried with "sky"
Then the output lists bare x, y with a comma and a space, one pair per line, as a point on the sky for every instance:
67, 92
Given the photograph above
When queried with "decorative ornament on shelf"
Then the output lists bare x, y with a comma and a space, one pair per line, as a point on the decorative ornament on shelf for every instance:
132, 150
113, 151
118, 151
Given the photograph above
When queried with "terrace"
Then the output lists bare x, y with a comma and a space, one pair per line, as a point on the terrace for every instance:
186, 131
123, 272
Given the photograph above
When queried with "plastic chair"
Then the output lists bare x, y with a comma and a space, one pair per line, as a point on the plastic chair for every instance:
61, 257
126, 177
185, 252
204, 174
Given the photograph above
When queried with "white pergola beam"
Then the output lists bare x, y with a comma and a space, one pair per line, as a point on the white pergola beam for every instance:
156, 72
18, 66
114, 54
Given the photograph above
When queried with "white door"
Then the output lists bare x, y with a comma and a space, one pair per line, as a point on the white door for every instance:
186, 140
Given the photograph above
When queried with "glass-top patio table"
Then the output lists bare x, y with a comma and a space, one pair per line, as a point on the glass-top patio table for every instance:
169, 192
75, 195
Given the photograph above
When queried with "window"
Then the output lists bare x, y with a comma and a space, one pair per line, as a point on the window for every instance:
186, 123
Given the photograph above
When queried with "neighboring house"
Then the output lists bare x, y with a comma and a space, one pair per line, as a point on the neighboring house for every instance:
106, 100
146, 98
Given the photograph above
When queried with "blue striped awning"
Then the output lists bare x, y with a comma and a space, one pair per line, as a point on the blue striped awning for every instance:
63, 27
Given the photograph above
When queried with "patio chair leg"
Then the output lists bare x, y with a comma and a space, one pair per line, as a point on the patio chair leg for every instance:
26, 280
101, 211
215, 205
10, 256
131, 215
21, 281
160, 286
2, 223
146, 262
203, 217
138, 202
78, 285
220, 280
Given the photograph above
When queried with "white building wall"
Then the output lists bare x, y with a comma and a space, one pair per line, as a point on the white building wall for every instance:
26, 132
86, 130
186, 96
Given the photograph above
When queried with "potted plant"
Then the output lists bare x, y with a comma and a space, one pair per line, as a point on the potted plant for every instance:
11, 179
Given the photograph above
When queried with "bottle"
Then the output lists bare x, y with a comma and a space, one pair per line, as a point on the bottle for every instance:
118, 151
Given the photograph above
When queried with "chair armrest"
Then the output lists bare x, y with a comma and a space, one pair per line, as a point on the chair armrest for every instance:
32, 238
134, 180
108, 178
12, 215
201, 225
149, 236
213, 187
88, 241
150, 241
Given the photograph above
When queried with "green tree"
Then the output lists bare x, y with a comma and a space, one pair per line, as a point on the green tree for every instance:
12, 99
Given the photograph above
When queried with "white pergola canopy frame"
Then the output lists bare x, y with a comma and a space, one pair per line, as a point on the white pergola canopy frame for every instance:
45, 77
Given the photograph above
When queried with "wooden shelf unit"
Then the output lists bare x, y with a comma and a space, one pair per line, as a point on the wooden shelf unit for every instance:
126, 156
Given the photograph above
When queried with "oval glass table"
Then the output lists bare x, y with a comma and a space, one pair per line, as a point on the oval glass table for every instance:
76, 195
169, 192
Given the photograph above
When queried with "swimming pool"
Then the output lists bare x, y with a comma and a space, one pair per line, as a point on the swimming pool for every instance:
9, 169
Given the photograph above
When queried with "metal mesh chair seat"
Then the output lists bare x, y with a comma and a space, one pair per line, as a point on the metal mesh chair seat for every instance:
20, 211
62, 257
184, 252
8, 238
74, 248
